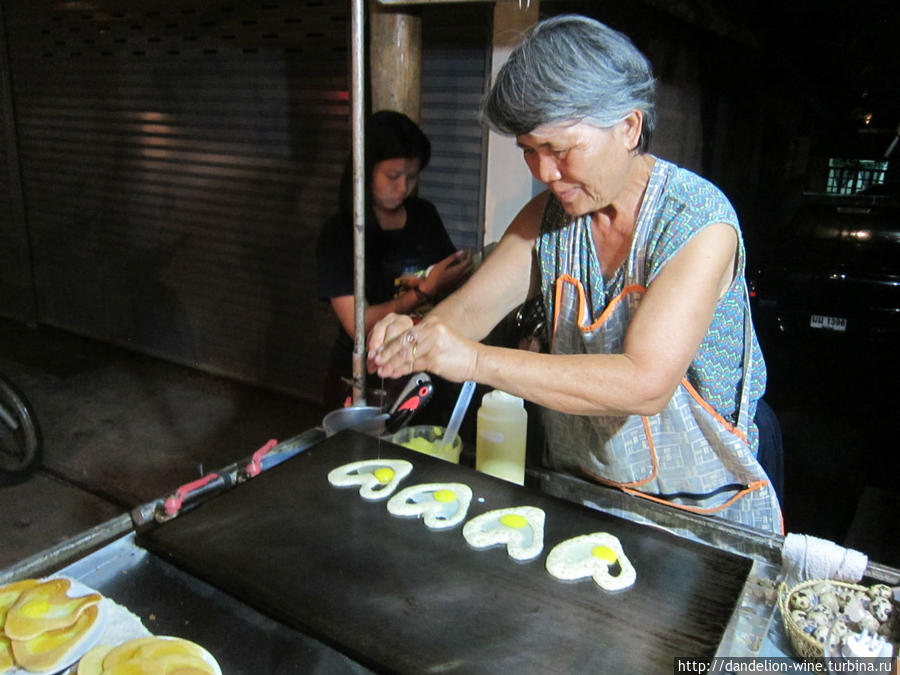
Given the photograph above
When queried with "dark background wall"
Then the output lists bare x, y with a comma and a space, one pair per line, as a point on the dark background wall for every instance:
773, 89
168, 165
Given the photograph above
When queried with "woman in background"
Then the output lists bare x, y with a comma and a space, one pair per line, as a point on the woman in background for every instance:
410, 260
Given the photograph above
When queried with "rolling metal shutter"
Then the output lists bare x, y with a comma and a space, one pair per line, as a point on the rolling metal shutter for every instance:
456, 49
177, 161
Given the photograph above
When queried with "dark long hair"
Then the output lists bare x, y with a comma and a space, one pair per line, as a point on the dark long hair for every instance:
389, 135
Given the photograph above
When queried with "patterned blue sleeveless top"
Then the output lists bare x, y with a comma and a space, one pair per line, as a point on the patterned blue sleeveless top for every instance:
688, 204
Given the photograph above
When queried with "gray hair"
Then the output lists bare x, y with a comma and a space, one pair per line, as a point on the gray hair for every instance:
571, 69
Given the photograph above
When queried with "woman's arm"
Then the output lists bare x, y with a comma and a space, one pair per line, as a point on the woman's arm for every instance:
446, 274
497, 287
662, 340
665, 334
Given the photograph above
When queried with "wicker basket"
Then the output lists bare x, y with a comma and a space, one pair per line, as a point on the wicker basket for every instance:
805, 645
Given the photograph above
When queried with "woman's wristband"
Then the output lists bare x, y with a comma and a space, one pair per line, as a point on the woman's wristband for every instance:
422, 295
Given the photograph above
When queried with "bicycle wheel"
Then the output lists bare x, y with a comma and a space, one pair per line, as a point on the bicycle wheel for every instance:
21, 447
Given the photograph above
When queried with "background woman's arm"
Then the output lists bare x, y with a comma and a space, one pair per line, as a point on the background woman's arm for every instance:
502, 282
404, 303
471, 312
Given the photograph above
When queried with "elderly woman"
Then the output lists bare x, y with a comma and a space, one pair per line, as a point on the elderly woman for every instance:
654, 372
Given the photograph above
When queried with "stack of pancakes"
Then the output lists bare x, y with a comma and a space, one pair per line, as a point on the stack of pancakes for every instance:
41, 626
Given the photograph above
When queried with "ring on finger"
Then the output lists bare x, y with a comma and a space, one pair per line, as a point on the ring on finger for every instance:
411, 337
414, 350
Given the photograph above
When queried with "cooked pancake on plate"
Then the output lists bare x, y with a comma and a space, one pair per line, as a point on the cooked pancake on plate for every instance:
152, 654
61, 617
45, 606
50, 651
10, 593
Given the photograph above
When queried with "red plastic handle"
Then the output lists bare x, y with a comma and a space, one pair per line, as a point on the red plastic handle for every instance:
173, 503
254, 468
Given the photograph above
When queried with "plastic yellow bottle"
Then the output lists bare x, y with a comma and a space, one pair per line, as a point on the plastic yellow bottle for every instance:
500, 441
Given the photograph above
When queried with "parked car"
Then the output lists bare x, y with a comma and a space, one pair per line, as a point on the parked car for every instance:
833, 273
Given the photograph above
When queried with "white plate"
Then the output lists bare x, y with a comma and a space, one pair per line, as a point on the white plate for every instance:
76, 590
121, 626
115, 625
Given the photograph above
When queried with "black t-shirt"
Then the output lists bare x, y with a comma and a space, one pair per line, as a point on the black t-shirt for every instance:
390, 255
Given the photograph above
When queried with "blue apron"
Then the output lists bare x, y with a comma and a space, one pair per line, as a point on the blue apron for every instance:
687, 456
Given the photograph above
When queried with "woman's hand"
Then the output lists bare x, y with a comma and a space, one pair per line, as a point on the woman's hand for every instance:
397, 348
447, 275
385, 333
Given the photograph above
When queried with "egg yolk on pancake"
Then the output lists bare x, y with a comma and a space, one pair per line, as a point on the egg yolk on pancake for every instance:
514, 520
10, 594
42, 652
598, 555
444, 496
384, 474
45, 607
440, 505
604, 553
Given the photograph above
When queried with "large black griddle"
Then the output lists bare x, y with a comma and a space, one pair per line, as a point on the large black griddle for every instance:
399, 597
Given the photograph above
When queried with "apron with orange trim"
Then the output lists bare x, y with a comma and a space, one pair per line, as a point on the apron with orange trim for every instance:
687, 455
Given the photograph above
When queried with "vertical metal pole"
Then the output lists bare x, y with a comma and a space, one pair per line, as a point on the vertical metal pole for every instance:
357, 101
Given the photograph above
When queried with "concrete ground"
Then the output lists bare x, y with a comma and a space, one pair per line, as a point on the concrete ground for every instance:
122, 429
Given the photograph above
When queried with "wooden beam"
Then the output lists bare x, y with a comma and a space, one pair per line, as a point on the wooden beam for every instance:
395, 57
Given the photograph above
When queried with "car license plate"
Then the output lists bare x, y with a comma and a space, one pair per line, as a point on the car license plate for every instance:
828, 322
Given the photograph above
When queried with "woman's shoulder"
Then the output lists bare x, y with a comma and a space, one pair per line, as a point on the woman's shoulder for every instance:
693, 195
689, 203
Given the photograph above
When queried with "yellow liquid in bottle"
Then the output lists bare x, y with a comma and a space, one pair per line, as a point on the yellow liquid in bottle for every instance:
500, 442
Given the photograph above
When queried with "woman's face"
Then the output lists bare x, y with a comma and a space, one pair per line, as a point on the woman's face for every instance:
585, 166
392, 181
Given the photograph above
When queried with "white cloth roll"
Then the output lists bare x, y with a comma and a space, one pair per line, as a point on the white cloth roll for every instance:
805, 557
